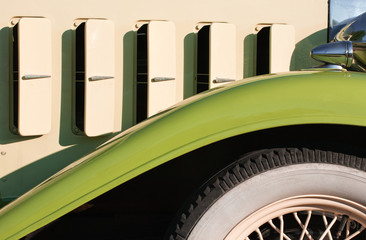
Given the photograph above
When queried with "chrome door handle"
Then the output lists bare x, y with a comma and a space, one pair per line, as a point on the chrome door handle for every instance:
97, 78
222, 80
161, 79
34, 76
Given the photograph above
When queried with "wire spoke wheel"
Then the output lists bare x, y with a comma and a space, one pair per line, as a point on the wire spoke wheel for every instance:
280, 194
310, 217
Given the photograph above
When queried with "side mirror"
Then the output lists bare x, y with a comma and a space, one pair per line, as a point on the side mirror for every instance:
338, 53
348, 48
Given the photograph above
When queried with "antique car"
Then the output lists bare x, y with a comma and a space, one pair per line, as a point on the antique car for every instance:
102, 145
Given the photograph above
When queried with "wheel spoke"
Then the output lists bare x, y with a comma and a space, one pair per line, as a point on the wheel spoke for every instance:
259, 234
281, 227
356, 233
327, 230
348, 227
278, 230
326, 225
304, 227
341, 226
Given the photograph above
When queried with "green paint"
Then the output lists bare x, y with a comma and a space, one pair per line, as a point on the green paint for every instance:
241, 107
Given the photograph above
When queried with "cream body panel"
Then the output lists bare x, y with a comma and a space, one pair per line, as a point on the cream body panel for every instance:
35, 72
222, 54
99, 77
29, 160
161, 66
282, 45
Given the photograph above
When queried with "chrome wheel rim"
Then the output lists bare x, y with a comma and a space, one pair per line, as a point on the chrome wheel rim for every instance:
319, 217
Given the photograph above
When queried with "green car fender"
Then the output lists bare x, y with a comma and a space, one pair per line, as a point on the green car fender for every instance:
244, 106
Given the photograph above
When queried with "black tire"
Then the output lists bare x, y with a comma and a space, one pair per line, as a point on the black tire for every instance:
264, 177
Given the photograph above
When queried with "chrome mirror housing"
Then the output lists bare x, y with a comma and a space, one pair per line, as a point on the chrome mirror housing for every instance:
348, 48
338, 53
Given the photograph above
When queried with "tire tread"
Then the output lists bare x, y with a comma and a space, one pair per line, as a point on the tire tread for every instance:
246, 167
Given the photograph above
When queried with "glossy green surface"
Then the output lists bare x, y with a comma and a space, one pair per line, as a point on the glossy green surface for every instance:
241, 107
